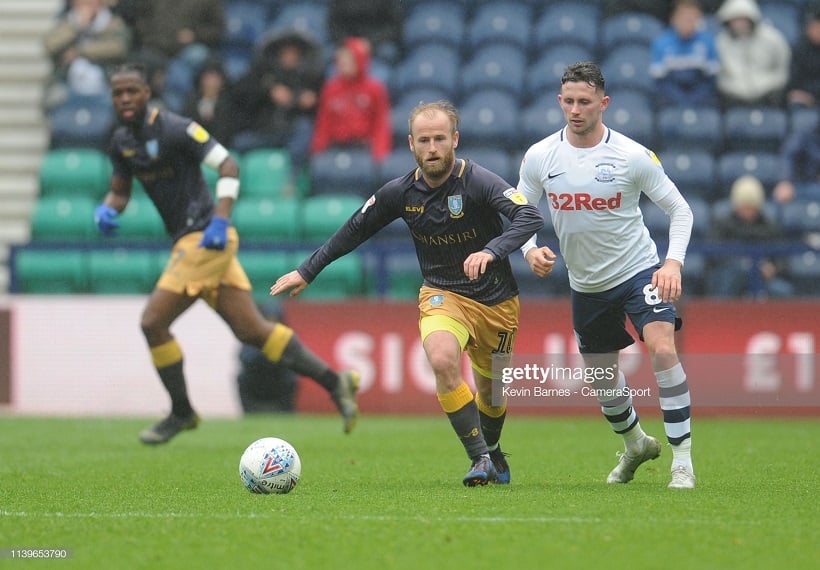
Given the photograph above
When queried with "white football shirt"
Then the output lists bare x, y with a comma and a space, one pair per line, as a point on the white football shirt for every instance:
593, 195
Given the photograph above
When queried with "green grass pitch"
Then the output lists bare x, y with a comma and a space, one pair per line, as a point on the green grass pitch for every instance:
389, 495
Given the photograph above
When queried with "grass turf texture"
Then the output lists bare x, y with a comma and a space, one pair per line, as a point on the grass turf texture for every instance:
390, 496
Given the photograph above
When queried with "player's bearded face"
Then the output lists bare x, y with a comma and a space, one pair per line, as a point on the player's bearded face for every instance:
436, 163
433, 143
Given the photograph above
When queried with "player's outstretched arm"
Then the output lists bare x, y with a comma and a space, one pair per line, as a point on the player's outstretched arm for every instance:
290, 281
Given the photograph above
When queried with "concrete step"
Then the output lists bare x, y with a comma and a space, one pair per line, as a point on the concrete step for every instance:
15, 8
19, 186
22, 48
20, 115
25, 71
23, 139
15, 231
24, 93
20, 164
16, 209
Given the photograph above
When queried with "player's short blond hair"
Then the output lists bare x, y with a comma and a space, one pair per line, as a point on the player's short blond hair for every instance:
442, 105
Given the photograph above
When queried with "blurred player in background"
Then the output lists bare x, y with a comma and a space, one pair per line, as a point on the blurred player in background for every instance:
593, 178
469, 298
164, 152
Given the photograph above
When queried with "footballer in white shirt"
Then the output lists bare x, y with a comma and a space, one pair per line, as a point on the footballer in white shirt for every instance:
592, 178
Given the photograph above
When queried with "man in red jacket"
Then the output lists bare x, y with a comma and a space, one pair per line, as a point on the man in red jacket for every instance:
354, 107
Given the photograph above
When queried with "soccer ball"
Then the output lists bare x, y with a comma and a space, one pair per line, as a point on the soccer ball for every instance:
270, 465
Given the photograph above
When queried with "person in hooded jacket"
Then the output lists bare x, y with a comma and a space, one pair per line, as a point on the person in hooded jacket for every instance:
275, 101
354, 107
754, 56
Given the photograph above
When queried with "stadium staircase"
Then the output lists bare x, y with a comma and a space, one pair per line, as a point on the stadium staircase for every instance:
24, 70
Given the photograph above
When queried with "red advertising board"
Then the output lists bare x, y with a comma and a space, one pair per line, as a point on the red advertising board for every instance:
737, 355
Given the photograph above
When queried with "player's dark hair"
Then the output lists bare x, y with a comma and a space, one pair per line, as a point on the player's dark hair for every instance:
130, 68
585, 72
442, 105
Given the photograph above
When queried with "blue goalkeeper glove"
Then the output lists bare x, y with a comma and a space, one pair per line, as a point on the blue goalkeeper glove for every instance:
215, 235
104, 218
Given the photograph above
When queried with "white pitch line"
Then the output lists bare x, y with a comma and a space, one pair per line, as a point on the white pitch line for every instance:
386, 518
364, 518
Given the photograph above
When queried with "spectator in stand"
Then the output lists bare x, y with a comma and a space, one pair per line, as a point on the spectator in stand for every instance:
684, 59
354, 107
804, 79
275, 101
209, 104
178, 35
754, 56
800, 160
379, 21
86, 38
746, 223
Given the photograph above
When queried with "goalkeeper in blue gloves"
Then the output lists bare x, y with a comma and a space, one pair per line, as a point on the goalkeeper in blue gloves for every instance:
164, 151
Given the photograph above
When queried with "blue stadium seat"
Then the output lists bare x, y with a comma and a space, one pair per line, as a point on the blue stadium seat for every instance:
404, 104
434, 22
495, 66
399, 162
786, 17
306, 17
343, 170
245, 23
500, 22
629, 28
544, 75
531, 286
800, 217
82, 121
803, 118
765, 166
804, 273
490, 118
403, 276
541, 118
492, 158
626, 66
236, 61
630, 112
695, 128
431, 66
566, 24
755, 128
692, 171
694, 274
657, 221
